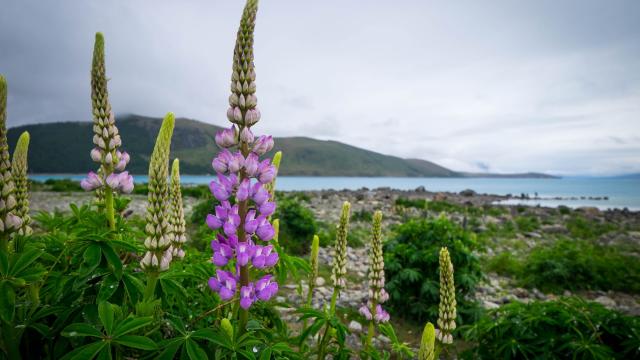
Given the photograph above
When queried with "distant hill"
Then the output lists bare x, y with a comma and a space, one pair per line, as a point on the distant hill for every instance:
64, 148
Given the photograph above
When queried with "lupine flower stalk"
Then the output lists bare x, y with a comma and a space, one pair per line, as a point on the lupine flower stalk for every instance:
339, 269
176, 219
243, 227
19, 174
158, 229
447, 308
9, 221
427, 344
313, 275
373, 310
106, 140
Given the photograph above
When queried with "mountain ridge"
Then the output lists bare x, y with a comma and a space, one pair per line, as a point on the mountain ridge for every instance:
63, 147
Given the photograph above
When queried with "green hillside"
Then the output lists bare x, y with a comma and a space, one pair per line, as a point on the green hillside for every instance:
64, 148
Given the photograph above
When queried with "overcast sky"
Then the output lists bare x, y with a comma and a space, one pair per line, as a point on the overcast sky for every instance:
502, 86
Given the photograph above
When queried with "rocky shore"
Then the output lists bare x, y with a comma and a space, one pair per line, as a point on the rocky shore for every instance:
494, 291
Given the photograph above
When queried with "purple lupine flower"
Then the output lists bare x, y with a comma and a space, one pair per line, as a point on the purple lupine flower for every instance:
123, 160
265, 288
250, 222
236, 162
91, 182
227, 137
224, 284
223, 188
259, 194
265, 230
381, 315
267, 208
231, 225
126, 182
364, 310
264, 256
251, 164
251, 117
244, 252
263, 144
213, 222
244, 190
246, 135
222, 253
247, 296
221, 162
267, 171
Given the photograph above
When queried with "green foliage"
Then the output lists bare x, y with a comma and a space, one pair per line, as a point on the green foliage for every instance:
505, 264
63, 185
527, 223
411, 203
568, 328
297, 225
412, 260
582, 228
578, 264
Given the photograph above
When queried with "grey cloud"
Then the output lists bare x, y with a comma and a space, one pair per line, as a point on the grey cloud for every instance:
537, 85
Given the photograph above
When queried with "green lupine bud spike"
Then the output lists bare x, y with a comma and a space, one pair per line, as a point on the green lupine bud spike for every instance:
178, 225
276, 230
376, 259
158, 228
427, 344
19, 173
271, 187
9, 222
340, 248
313, 259
226, 326
106, 137
243, 85
447, 308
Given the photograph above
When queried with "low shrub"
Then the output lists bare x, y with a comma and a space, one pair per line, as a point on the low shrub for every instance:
527, 223
582, 228
63, 185
568, 328
505, 264
411, 259
577, 264
411, 203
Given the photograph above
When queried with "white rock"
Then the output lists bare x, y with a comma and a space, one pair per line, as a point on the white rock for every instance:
355, 326
605, 301
320, 281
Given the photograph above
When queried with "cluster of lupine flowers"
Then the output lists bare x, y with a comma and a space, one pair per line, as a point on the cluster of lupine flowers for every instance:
373, 310
242, 217
106, 137
447, 308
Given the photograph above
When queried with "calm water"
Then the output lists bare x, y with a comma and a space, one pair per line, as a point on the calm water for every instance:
621, 192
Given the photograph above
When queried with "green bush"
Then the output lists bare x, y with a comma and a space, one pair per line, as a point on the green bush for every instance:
582, 228
297, 225
412, 203
505, 264
577, 264
412, 273
568, 328
527, 223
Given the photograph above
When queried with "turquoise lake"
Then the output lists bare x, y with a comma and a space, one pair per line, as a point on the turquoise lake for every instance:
621, 192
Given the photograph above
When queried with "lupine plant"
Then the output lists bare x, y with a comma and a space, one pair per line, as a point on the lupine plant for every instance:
9, 221
242, 178
373, 310
19, 174
107, 141
447, 308
176, 218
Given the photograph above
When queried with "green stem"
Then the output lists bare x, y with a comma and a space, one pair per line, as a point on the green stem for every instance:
334, 299
108, 206
372, 328
152, 279
321, 344
244, 270
309, 298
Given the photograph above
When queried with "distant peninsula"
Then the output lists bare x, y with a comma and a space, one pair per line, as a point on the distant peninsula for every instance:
63, 147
